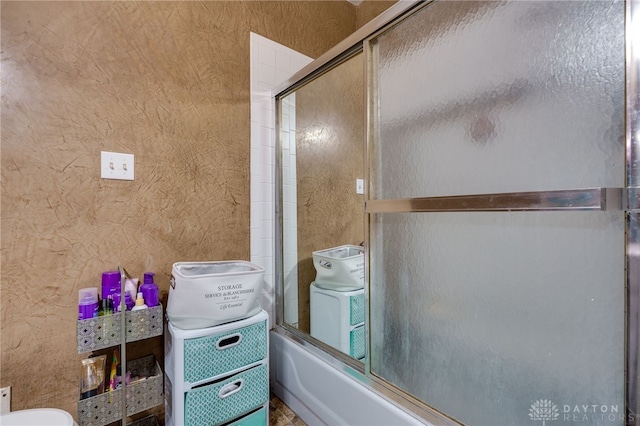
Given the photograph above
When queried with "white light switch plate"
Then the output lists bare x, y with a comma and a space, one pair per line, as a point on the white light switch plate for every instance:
359, 186
114, 165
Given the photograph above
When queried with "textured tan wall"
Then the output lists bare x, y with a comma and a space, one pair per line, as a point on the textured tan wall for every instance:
329, 159
166, 81
369, 9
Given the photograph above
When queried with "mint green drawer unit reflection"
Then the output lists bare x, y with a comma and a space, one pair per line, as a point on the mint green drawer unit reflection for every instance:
227, 399
356, 340
357, 309
257, 418
216, 354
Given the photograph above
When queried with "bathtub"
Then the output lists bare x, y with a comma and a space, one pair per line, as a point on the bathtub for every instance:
324, 391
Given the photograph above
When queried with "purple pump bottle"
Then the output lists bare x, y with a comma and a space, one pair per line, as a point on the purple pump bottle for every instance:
149, 290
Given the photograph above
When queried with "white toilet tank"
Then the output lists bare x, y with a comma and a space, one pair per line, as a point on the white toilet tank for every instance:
38, 417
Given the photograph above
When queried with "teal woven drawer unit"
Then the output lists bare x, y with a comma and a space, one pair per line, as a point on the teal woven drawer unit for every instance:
216, 374
213, 355
227, 399
356, 337
357, 309
334, 315
257, 418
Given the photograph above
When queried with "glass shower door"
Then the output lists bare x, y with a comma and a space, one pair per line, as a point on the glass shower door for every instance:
496, 228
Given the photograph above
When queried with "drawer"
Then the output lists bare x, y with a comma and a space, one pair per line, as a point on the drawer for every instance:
356, 309
227, 399
257, 418
356, 342
216, 354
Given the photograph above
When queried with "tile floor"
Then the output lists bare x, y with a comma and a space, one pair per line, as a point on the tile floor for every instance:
281, 415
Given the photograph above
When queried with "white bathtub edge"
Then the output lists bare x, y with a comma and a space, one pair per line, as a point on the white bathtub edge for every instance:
321, 395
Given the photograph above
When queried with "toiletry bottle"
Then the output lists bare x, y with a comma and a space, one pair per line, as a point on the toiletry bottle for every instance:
115, 362
90, 380
131, 287
139, 303
88, 303
110, 283
106, 306
106, 309
128, 302
116, 302
118, 377
149, 290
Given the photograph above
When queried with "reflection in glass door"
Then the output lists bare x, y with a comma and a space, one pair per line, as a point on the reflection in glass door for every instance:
496, 218
321, 128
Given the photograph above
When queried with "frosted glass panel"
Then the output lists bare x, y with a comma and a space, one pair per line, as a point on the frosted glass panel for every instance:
485, 315
485, 97
482, 315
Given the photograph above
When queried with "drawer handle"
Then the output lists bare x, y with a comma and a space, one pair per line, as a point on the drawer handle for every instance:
231, 388
229, 341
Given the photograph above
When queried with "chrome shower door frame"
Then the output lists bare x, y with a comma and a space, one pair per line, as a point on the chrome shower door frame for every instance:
625, 199
632, 38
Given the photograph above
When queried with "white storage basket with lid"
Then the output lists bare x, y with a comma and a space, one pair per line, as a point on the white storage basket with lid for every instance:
205, 294
340, 268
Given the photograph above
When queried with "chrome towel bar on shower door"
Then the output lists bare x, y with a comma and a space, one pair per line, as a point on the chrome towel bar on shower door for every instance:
598, 199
